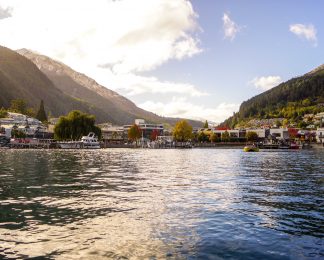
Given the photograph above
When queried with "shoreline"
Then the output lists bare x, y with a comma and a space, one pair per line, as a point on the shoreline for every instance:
239, 147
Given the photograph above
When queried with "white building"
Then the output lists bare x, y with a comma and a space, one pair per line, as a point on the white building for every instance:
19, 120
261, 132
6, 132
146, 128
110, 132
27, 125
233, 133
320, 135
280, 133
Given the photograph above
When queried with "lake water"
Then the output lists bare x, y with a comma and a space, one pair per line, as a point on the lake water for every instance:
161, 204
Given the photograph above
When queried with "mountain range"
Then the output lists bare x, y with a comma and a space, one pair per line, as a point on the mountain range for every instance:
291, 100
33, 77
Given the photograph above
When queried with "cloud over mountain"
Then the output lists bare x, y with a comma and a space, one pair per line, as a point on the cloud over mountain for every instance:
124, 36
265, 83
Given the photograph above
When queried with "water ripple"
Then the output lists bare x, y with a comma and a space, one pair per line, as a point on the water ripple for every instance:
157, 204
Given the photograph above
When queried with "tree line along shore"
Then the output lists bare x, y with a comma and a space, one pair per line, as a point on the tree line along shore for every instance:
20, 122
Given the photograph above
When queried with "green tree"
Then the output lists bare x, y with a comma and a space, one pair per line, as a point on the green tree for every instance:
3, 113
225, 136
205, 124
18, 106
182, 131
251, 136
75, 125
41, 114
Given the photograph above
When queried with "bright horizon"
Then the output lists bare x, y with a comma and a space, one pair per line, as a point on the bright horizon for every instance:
195, 59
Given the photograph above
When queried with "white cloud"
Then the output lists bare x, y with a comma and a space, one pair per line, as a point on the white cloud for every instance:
111, 41
266, 83
180, 107
230, 27
5, 12
132, 84
126, 36
136, 85
303, 31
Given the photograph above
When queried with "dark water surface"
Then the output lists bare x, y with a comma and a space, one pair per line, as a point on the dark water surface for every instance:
162, 204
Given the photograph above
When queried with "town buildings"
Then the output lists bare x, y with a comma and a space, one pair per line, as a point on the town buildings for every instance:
118, 135
30, 126
147, 128
320, 135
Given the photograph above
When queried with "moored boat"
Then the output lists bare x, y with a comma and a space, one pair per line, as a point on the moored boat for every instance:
90, 141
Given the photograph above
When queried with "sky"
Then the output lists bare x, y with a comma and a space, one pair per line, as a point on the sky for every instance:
197, 59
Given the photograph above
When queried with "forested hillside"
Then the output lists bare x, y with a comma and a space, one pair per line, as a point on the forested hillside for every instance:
290, 100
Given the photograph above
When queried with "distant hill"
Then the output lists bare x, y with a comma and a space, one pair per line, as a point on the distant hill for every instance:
116, 108
32, 77
20, 78
291, 99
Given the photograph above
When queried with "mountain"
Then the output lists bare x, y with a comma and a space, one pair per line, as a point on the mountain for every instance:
291, 99
117, 109
34, 77
20, 78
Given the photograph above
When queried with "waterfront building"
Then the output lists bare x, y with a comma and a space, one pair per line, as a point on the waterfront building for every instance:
233, 133
146, 128
113, 134
261, 132
5, 132
320, 135
30, 126
280, 133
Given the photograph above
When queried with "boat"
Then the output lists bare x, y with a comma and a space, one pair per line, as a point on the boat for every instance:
90, 141
250, 148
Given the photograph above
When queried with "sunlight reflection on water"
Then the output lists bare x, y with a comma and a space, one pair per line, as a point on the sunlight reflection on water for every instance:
128, 203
